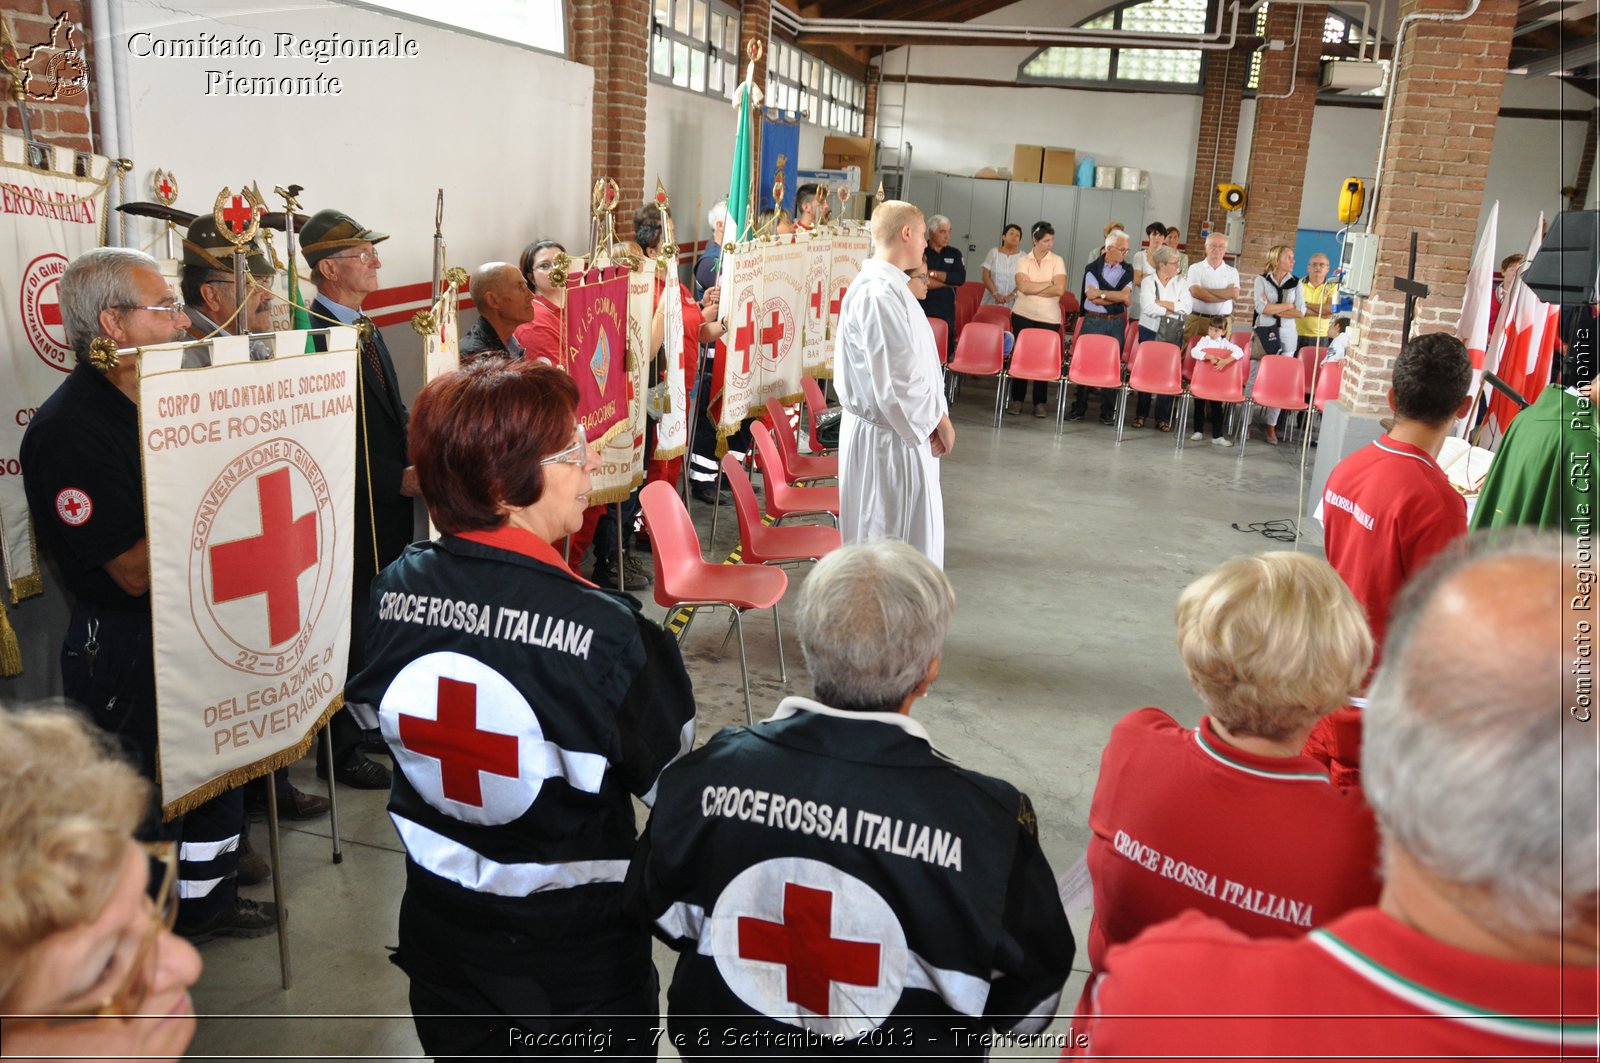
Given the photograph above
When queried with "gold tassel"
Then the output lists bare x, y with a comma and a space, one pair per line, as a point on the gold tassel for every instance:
10, 649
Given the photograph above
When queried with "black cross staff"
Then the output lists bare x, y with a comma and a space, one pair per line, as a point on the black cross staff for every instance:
1412, 289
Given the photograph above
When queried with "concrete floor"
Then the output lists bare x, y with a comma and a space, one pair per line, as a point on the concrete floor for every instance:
1067, 554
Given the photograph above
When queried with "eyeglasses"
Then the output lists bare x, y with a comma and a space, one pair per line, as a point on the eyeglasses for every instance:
129, 996
922, 277
172, 310
544, 267
362, 257
577, 454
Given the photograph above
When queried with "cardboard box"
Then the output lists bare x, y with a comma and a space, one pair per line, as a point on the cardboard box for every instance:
839, 153
1060, 166
1027, 163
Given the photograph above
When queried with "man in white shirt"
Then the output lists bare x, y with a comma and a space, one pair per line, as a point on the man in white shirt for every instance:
896, 423
1213, 284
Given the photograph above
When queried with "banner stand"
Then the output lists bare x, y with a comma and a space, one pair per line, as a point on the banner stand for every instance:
326, 744
277, 879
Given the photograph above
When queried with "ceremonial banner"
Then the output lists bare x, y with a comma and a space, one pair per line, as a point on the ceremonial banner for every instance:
249, 496
596, 314
781, 291
1527, 336
816, 348
50, 218
1473, 327
738, 360
441, 344
622, 458
672, 430
850, 249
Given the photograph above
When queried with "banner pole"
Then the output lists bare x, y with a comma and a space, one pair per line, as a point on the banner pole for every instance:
621, 560
325, 742
277, 882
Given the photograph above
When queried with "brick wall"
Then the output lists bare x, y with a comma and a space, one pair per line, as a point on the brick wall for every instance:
1225, 75
64, 122
613, 37
1446, 102
1279, 145
755, 21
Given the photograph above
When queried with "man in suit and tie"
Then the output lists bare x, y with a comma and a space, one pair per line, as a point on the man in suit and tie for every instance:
344, 268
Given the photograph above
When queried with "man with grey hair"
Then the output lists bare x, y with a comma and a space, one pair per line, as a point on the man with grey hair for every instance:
828, 877
947, 271
1480, 763
1106, 295
83, 475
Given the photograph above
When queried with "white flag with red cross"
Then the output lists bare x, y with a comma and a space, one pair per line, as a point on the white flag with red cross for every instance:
249, 500
782, 304
850, 249
816, 353
47, 219
739, 363
1476, 301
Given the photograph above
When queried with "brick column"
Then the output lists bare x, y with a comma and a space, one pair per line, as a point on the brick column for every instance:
63, 122
1279, 144
755, 21
1223, 91
613, 37
875, 79
1446, 102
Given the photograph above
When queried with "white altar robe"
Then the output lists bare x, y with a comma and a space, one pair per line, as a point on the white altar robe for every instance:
886, 370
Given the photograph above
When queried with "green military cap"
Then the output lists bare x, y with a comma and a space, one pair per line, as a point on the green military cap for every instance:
328, 231
203, 246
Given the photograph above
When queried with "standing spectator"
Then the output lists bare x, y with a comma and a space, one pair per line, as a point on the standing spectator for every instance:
808, 200
1162, 294
504, 299
1320, 294
1041, 278
1279, 303
1155, 235
947, 271
1107, 291
1174, 239
786, 926
1000, 268
1483, 943
543, 338
705, 268
1213, 285
1272, 643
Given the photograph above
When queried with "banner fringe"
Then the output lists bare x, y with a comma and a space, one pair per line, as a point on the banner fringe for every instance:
615, 494
668, 455
239, 776
29, 586
10, 649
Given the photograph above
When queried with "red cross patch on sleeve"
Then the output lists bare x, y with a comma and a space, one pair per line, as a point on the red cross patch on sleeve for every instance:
73, 506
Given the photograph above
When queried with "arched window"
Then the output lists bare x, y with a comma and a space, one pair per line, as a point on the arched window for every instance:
1176, 67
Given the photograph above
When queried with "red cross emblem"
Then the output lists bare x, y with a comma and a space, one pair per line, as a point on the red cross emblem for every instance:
269, 563
777, 329
50, 313
73, 506
812, 958
816, 299
237, 215
744, 337
454, 740
838, 297
165, 188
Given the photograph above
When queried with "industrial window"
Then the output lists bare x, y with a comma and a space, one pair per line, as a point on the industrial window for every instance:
1138, 66
814, 90
1341, 38
539, 24
694, 44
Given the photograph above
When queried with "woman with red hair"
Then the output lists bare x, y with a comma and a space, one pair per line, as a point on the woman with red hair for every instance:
525, 709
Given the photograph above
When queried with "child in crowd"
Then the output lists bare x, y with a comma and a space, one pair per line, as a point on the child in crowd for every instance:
1337, 340
1219, 353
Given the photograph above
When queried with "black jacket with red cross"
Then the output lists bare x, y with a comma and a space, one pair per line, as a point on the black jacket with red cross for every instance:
524, 708
836, 886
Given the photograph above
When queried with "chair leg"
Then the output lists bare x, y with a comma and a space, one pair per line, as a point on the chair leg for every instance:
1247, 414
687, 624
716, 506
1061, 404
744, 668
1122, 410
777, 629
999, 398
1187, 408
1178, 427
723, 649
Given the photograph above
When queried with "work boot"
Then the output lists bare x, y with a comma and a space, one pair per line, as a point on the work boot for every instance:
246, 919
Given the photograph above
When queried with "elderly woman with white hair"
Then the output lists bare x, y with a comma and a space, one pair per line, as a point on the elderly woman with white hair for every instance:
89, 965
1259, 835
1164, 304
838, 819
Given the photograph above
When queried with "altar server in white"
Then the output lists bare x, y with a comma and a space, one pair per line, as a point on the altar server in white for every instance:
896, 422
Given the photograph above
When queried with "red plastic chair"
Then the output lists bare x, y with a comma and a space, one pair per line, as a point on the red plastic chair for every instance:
783, 500
772, 544
1243, 340
1329, 379
1130, 341
981, 352
1279, 385
816, 406
799, 468
1037, 356
683, 577
1309, 358
1069, 306
968, 298
1214, 385
941, 338
1096, 362
1158, 371
994, 315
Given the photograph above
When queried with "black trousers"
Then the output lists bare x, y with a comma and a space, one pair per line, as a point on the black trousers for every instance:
1019, 388
1100, 325
482, 990
703, 466
108, 668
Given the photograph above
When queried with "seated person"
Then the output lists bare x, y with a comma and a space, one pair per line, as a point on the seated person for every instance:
1228, 818
1338, 342
829, 879
1485, 940
80, 939
1218, 352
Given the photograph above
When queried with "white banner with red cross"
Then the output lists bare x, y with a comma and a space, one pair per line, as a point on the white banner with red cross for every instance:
50, 217
850, 249
740, 366
249, 503
816, 342
782, 303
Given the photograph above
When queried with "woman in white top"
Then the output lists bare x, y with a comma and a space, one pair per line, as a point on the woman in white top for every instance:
1000, 268
1155, 235
1162, 292
1041, 278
